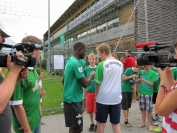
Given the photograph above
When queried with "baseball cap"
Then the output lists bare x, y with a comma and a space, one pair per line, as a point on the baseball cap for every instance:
2, 29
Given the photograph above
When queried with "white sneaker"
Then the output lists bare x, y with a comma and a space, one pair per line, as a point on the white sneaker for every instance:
153, 122
157, 118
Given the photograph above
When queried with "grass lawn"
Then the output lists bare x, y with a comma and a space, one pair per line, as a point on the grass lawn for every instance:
54, 91
54, 95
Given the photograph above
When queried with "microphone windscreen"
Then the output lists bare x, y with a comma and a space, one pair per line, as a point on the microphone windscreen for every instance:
143, 44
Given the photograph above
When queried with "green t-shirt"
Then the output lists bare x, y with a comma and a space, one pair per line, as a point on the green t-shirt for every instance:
83, 63
87, 71
149, 77
157, 82
72, 88
127, 84
28, 95
99, 73
174, 72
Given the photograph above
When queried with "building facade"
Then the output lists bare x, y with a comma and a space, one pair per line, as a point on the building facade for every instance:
93, 22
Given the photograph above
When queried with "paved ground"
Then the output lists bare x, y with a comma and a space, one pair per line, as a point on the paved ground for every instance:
56, 123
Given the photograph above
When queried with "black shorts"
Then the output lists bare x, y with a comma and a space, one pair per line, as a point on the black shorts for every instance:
126, 100
104, 110
154, 97
73, 114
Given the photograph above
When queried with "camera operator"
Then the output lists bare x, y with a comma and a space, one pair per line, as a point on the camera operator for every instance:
166, 104
25, 99
7, 86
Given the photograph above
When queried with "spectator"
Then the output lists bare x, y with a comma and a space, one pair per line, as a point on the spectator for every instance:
129, 60
90, 91
42, 91
166, 104
122, 59
155, 117
129, 78
6, 89
108, 89
146, 79
25, 100
115, 56
73, 81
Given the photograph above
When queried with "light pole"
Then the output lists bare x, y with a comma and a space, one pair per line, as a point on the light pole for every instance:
48, 62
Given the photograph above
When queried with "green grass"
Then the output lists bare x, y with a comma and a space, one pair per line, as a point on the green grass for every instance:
54, 93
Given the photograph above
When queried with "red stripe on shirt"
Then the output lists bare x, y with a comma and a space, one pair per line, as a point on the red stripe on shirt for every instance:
172, 124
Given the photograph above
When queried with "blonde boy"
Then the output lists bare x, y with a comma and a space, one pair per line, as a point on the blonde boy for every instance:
90, 91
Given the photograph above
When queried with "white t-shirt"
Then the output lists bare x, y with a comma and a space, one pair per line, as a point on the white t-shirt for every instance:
108, 74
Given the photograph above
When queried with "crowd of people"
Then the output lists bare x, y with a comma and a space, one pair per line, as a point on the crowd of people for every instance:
116, 85
110, 87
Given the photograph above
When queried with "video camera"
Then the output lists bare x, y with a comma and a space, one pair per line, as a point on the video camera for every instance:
27, 61
159, 54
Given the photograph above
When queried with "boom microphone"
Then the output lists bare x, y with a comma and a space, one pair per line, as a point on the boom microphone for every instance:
143, 44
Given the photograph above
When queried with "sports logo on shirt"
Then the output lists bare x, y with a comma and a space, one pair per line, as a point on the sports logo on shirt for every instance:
80, 69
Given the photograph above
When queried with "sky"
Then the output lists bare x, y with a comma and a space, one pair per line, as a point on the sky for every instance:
30, 17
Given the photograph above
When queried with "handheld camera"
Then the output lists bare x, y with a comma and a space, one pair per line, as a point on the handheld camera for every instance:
27, 61
157, 54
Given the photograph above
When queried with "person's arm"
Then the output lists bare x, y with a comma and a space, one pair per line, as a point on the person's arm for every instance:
165, 104
7, 86
85, 82
21, 115
170, 80
129, 77
97, 89
42, 93
146, 82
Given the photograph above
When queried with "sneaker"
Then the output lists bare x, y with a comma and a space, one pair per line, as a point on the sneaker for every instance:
157, 118
95, 128
153, 122
91, 127
128, 126
158, 129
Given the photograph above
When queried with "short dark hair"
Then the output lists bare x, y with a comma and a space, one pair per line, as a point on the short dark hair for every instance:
129, 51
78, 45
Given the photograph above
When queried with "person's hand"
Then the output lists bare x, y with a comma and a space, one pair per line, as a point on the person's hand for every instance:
135, 76
44, 92
140, 79
92, 75
163, 74
12, 66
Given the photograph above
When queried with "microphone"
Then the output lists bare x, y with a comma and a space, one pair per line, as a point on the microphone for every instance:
143, 44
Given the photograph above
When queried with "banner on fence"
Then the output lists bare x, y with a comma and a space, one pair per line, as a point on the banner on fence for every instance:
58, 62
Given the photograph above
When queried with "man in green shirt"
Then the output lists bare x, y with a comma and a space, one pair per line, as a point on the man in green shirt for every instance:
74, 79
